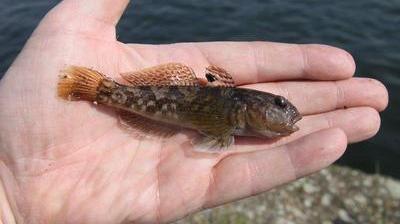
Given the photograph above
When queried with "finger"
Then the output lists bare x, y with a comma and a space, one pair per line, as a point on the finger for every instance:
253, 62
92, 18
245, 174
359, 123
318, 97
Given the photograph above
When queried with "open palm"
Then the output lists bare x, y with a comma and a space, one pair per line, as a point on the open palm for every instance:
71, 162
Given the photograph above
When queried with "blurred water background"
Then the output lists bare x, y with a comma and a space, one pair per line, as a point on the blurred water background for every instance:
369, 29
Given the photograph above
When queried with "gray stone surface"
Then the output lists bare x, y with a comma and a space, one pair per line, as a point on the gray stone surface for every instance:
336, 195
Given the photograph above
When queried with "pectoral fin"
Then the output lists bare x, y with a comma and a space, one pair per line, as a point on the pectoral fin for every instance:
217, 135
212, 144
163, 75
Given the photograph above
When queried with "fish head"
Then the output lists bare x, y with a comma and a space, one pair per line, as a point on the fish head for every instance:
271, 115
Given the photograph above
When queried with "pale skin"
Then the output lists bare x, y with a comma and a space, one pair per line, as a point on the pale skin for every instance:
70, 162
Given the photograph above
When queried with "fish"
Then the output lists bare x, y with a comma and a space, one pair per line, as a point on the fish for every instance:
170, 95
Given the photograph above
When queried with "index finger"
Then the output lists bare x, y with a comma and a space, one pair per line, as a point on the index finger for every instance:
253, 62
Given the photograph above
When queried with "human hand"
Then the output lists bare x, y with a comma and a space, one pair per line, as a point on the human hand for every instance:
67, 162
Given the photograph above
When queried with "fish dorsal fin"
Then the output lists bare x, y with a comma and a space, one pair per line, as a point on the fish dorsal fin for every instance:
217, 76
162, 75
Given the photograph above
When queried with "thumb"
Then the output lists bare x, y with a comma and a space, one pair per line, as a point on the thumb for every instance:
90, 17
107, 11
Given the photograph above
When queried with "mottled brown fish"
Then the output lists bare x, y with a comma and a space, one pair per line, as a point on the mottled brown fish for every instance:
171, 94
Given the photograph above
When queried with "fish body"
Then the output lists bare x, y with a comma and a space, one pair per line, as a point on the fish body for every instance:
217, 112
177, 105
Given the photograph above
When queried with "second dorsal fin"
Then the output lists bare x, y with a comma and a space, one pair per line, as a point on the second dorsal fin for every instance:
162, 75
217, 76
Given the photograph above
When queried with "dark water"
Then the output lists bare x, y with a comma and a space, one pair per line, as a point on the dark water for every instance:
369, 29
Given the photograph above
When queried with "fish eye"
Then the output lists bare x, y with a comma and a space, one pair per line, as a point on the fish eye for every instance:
210, 77
280, 101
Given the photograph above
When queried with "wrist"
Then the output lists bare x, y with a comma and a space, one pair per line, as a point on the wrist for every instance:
7, 204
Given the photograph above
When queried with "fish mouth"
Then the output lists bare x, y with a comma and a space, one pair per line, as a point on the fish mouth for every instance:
296, 119
276, 130
292, 127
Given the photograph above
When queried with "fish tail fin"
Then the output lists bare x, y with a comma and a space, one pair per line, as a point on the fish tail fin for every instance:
79, 83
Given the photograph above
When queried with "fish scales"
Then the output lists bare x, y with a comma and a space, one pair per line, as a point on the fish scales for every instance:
172, 104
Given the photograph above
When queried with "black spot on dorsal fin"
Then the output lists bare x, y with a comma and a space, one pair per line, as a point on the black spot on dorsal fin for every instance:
210, 77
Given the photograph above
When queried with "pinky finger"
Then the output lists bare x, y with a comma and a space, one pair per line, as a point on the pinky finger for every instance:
245, 174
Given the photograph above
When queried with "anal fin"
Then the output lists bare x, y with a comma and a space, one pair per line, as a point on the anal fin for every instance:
146, 127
